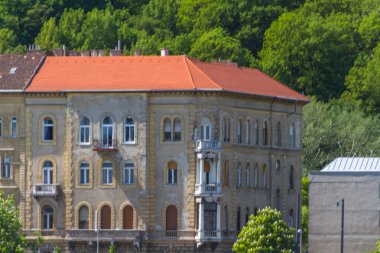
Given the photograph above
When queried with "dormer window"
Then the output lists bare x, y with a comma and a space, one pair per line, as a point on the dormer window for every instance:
12, 71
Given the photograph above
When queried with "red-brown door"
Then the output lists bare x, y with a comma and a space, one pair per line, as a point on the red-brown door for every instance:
128, 217
105, 217
171, 218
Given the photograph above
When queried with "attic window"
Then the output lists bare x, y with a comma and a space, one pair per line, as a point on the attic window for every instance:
13, 70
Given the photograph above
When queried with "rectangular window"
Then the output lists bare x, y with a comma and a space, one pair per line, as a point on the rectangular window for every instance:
107, 175
84, 135
172, 176
14, 128
84, 175
129, 130
5, 167
128, 174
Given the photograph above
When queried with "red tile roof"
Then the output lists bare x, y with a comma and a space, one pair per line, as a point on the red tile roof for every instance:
153, 73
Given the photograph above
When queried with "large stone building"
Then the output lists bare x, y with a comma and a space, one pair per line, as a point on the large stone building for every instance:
154, 154
357, 181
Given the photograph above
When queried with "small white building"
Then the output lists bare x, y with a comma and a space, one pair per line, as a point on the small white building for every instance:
357, 181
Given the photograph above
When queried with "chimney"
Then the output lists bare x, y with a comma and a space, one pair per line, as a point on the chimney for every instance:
137, 52
164, 52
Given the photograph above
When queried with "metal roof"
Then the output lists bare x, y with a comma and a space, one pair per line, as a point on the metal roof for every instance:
353, 164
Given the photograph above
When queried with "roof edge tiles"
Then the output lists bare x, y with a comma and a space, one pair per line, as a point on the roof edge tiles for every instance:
153, 73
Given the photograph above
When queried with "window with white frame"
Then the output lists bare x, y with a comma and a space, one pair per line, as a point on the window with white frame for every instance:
177, 129
5, 167
84, 131
84, 173
167, 129
247, 176
107, 133
264, 179
256, 132
278, 134
238, 128
129, 177
206, 129
47, 217
291, 218
48, 129
1, 128
292, 140
172, 172
13, 127
265, 133
256, 176
107, 172
238, 176
248, 132
47, 172
129, 130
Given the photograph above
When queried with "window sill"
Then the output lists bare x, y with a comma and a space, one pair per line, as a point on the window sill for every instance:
130, 143
107, 186
83, 186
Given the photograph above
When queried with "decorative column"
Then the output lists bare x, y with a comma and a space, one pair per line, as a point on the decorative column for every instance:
218, 216
218, 172
201, 169
201, 220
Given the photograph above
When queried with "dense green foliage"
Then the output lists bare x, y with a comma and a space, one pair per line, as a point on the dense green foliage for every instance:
10, 227
339, 128
266, 232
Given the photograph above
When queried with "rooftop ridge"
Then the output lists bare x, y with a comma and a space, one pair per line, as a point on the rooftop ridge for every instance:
203, 73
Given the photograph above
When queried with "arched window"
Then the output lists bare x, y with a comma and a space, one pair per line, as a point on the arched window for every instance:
129, 130
107, 172
167, 129
278, 134
278, 200
256, 132
84, 131
5, 163
47, 217
207, 168
291, 178
172, 172
225, 130
278, 165
84, 173
247, 175
291, 218
238, 129
107, 132
265, 133
206, 129
13, 127
292, 140
48, 129
177, 129
129, 177
83, 218
47, 172
1, 127
238, 176
105, 217
246, 215
128, 217
248, 131
264, 177
226, 173
238, 221
171, 218
256, 176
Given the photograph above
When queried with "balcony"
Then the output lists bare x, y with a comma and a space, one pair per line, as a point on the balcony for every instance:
45, 190
109, 147
202, 145
209, 235
172, 235
208, 189
104, 235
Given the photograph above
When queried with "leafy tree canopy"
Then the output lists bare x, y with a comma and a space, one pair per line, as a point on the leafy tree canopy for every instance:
266, 232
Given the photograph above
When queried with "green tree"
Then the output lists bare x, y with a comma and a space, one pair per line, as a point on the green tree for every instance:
8, 42
216, 44
48, 37
70, 28
338, 128
11, 239
266, 232
305, 211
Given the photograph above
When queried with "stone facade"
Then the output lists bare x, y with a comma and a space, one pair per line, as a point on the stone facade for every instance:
162, 171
